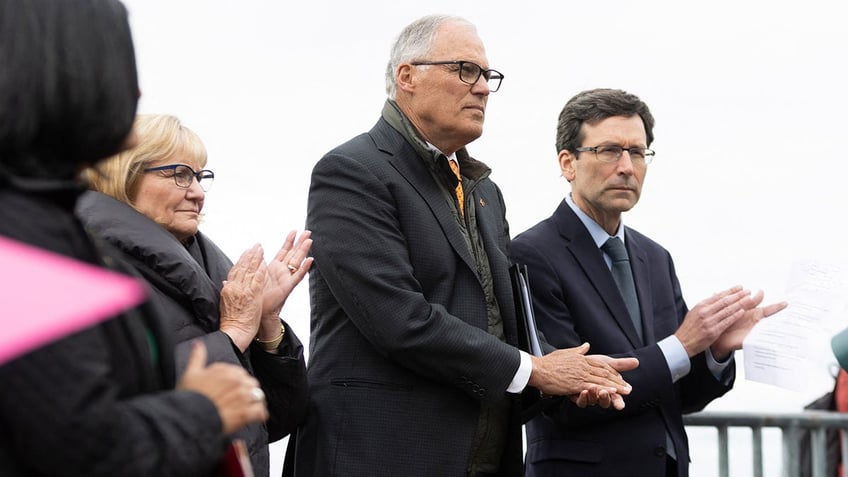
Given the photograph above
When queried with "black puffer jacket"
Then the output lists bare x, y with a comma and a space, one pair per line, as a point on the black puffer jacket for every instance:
186, 281
98, 402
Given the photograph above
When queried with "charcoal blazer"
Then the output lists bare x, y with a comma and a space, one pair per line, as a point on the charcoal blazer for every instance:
576, 300
400, 357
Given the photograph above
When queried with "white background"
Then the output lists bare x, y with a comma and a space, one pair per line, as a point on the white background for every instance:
749, 99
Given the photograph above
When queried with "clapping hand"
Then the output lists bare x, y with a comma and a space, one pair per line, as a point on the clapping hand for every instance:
241, 297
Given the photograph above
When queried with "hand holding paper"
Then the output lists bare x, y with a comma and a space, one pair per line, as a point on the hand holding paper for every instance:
732, 338
791, 350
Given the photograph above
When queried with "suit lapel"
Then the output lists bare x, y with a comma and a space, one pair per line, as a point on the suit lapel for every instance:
412, 167
589, 257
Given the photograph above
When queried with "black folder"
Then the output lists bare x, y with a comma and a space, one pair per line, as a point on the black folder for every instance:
528, 333
529, 340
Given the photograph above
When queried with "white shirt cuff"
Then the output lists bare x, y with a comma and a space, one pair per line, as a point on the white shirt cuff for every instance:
676, 357
718, 369
522, 376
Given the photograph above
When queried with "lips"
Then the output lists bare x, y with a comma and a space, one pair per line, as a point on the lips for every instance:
193, 208
622, 188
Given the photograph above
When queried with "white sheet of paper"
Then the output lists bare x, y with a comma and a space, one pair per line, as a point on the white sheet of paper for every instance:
787, 348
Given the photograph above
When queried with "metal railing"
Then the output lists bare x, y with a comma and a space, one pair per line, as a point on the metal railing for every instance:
790, 424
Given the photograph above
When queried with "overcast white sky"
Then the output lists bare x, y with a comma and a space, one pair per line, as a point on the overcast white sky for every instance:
749, 99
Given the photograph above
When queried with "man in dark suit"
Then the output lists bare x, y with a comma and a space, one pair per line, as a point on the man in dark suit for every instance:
412, 369
685, 356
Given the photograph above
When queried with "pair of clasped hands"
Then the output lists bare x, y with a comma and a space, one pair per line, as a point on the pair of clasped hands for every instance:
251, 300
719, 322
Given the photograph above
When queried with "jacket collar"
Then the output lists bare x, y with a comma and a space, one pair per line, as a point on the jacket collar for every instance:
61, 192
161, 259
470, 167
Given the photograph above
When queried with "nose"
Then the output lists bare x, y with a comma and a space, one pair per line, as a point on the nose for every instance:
625, 163
481, 86
195, 191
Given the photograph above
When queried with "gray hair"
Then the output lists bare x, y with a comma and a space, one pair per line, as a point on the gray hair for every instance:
415, 43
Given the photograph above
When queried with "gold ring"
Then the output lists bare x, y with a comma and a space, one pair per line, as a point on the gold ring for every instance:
258, 394
292, 268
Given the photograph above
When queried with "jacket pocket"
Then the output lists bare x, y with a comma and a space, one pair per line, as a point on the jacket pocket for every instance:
368, 384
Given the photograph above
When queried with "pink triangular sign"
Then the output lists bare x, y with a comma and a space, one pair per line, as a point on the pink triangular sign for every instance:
45, 296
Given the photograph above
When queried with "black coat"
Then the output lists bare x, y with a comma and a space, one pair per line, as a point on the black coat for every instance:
401, 360
96, 403
186, 282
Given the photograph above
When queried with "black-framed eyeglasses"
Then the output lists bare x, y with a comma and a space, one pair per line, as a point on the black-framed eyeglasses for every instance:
470, 73
183, 175
613, 153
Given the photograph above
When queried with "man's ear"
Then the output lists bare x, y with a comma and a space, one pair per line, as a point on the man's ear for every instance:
566, 164
405, 76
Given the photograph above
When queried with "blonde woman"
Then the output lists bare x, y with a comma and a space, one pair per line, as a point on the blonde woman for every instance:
148, 203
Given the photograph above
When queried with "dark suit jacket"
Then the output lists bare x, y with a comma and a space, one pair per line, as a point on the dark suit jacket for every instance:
576, 300
400, 357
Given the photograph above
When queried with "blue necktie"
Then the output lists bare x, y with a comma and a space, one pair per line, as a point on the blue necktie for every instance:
623, 276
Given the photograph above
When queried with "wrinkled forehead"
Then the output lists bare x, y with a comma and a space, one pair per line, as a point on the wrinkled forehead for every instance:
459, 41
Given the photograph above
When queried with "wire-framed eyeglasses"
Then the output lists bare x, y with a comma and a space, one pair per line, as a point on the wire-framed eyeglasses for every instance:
470, 73
184, 175
612, 153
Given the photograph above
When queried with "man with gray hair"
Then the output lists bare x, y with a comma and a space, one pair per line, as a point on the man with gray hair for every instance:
413, 367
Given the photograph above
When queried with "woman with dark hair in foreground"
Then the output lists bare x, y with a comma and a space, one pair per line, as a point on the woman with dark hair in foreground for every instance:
106, 400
